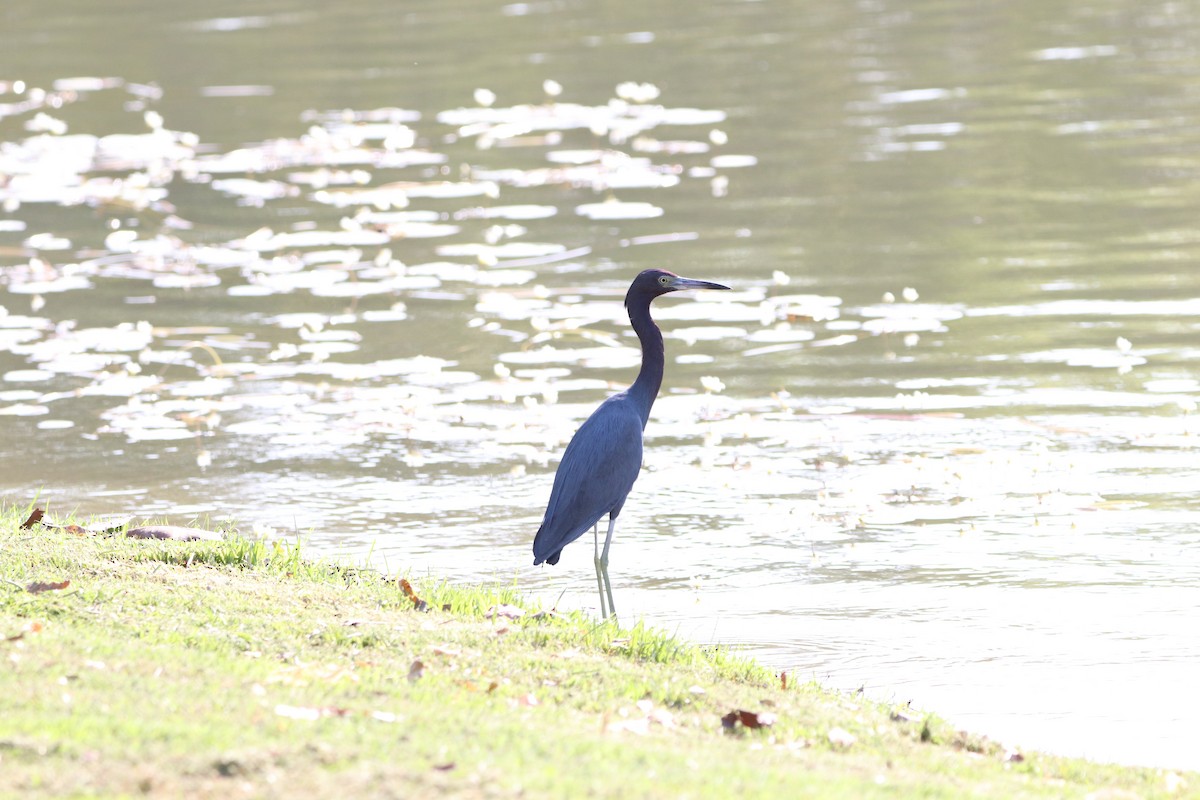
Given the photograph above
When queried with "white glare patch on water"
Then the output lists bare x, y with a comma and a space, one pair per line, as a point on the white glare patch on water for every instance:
614, 209
1172, 385
23, 410
268, 241
1074, 53
733, 161
916, 95
237, 90
516, 212
65, 283
706, 333
498, 251
27, 375
1084, 357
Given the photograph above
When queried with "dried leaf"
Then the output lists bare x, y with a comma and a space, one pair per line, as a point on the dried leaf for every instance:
748, 719
415, 671
41, 586
449, 765
34, 519
306, 674
30, 627
639, 726
446, 650
783, 681
410, 593
505, 610
308, 713
840, 737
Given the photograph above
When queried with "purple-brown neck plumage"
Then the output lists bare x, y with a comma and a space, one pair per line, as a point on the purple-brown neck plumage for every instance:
649, 379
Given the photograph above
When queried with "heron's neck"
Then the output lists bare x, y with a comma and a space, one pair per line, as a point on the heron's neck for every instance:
649, 379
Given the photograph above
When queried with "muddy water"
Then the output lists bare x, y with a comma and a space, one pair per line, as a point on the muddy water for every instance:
358, 275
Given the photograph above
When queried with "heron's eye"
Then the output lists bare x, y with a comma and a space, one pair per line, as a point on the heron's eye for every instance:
662, 279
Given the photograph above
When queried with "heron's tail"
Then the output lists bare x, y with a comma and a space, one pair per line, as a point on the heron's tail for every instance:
539, 557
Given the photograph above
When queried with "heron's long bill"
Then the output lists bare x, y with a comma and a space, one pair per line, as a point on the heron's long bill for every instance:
678, 282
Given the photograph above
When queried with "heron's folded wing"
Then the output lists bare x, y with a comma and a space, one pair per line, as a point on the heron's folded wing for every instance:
596, 473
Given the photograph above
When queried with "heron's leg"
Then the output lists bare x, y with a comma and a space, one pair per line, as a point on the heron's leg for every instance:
599, 569
603, 564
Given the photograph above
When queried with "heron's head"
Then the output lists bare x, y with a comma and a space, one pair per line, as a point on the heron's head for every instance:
652, 283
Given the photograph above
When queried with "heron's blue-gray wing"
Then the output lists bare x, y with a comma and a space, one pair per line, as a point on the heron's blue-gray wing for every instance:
596, 473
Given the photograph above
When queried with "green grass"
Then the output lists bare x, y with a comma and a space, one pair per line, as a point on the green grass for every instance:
239, 668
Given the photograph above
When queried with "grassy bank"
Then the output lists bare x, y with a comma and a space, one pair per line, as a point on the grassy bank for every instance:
238, 669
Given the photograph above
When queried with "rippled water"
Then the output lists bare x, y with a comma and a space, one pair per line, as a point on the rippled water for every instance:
358, 274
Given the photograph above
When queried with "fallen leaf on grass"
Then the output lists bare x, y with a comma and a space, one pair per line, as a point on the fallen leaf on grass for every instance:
640, 723
449, 765
34, 519
309, 713
446, 650
30, 627
304, 674
747, 719
42, 586
415, 671
639, 726
504, 610
410, 593
840, 737
526, 700
659, 716
783, 681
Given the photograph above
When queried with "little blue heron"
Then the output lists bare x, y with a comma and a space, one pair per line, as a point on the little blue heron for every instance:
604, 456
